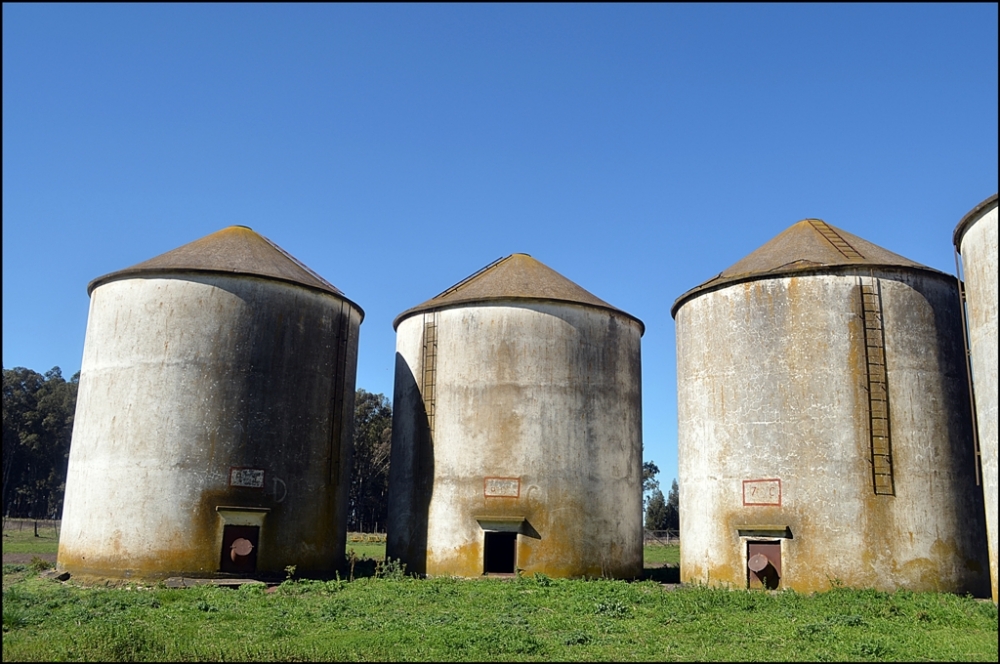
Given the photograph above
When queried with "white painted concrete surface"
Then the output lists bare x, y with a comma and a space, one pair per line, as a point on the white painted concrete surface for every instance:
186, 379
537, 425
979, 266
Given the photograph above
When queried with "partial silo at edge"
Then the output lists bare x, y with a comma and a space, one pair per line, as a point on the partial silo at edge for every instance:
975, 239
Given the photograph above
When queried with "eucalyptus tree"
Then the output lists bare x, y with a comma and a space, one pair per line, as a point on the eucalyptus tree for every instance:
368, 500
38, 414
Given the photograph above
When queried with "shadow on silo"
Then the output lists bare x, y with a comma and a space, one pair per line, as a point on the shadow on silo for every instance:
411, 473
966, 465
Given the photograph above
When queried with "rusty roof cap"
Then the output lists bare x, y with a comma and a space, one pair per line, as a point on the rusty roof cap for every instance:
516, 277
974, 215
808, 246
236, 250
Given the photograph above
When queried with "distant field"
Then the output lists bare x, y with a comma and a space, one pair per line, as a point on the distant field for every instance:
19, 537
661, 554
375, 551
655, 555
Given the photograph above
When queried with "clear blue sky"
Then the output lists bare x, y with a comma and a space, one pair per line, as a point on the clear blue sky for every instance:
638, 150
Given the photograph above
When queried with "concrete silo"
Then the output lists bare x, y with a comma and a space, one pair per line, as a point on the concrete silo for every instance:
976, 240
214, 416
516, 434
823, 421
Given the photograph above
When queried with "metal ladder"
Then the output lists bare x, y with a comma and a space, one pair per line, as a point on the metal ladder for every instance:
834, 238
878, 389
428, 381
880, 440
967, 347
343, 327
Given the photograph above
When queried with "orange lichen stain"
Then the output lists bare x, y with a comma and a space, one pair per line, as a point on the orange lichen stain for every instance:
552, 557
154, 565
315, 546
807, 560
692, 572
464, 561
942, 549
920, 575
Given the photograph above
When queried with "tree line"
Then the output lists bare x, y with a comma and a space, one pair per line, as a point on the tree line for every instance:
38, 412
661, 513
37, 425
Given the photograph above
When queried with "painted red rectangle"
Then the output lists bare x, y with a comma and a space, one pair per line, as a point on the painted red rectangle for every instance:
762, 492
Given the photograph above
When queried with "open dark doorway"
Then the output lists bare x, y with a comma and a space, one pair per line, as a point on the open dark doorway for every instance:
500, 553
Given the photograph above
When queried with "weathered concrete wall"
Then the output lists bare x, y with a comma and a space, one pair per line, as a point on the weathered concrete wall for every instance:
536, 415
185, 379
979, 266
774, 444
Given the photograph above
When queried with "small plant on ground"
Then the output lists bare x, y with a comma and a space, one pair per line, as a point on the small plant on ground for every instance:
390, 568
39, 564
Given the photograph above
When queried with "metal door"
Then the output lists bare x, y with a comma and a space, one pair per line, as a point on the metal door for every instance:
763, 564
239, 548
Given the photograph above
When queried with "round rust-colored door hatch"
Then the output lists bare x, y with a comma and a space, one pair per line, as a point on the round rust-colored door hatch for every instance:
240, 548
758, 562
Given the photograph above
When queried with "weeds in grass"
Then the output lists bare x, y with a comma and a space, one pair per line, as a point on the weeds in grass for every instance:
390, 616
352, 559
542, 579
14, 616
13, 568
612, 609
39, 564
390, 568
576, 638
126, 641
873, 648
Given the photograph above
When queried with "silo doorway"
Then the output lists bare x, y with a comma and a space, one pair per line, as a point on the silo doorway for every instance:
499, 552
239, 549
763, 564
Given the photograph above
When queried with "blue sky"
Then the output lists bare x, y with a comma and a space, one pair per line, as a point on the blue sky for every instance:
638, 150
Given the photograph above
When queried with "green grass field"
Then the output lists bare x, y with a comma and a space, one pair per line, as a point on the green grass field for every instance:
384, 615
23, 540
19, 537
656, 554
391, 617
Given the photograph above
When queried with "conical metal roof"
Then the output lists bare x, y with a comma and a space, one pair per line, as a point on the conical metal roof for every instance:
233, 250
518, 276
811, 245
